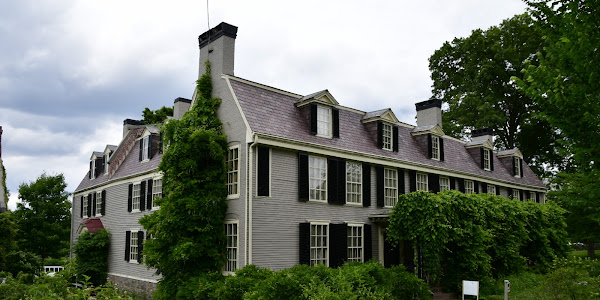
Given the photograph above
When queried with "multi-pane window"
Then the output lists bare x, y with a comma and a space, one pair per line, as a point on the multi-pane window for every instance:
422, 184
85, 206
92, 169
390, 183
233, 167
156, 191
387, 136
323, 121
317, 176
353, 182
133, 246
135, 198
532, 196
444, 184
486, 159
469, 187
435, 147
106, 157
355, 243
99, 203
491, 189
146, 141
516, 195
517, 167
319, 244
231, 230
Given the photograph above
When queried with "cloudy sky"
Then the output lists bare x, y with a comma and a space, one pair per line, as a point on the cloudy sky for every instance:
72, 70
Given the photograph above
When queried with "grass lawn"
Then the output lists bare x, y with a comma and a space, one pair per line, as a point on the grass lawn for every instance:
582, 253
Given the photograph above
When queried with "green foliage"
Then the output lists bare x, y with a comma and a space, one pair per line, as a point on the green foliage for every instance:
351, 281
44, 216
8, 235
16, 262
6, 193
477, 236
188, 239
157, 116
92, 256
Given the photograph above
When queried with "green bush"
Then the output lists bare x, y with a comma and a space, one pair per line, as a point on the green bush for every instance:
23, 262
92, 256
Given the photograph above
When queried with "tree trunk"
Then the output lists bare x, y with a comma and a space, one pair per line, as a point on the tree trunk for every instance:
590, 249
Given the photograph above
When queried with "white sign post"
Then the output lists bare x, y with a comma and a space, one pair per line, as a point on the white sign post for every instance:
470, 288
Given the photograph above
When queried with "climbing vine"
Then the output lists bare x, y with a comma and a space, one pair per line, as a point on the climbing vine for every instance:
187, 236
6, 193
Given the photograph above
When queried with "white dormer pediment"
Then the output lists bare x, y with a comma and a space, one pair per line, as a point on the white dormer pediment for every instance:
510, 153
323, 97
485, 144
96, 154
386, 115
429, 129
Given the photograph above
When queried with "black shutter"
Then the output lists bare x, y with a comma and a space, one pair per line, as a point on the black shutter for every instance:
514, 165
149, 195
521, 166
338, 244
434, 182
150, 138
81, 207
366, 184
129, 198
341, 182
141, 149
461, 185
142, 194
160, 143
368, 242
429, 148
332, 177
94, 203
491, 160
103, 205
380, 186
127, 244
304, 244
313, 118
379, 134
537, 197
395, 139
476, 187
452, 183
263, 172
336, 122
91, 168
521, 195
140, 245
497, 190
510, 192
484, 188
412, 180
99, 164
481, 156
441, 145
401, 184
89, 205
303, 177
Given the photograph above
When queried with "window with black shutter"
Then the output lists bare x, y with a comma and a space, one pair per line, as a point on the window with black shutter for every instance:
368, 242
143, 195
412, 180
81, 207
461, 185
94, 202
366, 184
434, 183
103, 206
129, 197
484, 188
452, 183
313, 118
476, 187
380, 186
263, 172
127, 245
395, 139
140, 246
149, 194
379, 134
336, 122
332, 181
141, 150
442, 156
338, 250
149, 154
497, 190
401, 183
304, 243
89, 205
303, 185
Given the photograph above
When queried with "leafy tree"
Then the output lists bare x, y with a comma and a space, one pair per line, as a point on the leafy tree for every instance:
473, 75
187, 233
564, 82
92, 256
157, 116
44, 216
8, 234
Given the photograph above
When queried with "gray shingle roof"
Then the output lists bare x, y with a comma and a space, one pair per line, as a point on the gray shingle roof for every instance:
374, 114
272, 113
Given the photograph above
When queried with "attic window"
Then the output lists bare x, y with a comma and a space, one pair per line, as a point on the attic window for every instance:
92, 169
435, 147
106, 156
323, 121
486, 159
145, 147
517, 167
387, 136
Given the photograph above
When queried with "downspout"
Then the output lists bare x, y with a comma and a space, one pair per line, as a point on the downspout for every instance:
249, 201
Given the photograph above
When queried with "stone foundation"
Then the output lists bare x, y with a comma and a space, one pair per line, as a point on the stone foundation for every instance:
135, 286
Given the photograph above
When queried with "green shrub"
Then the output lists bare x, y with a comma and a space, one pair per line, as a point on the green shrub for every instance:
92, 256
23, 262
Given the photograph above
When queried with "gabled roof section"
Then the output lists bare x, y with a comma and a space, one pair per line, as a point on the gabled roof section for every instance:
511, 152
110, 148
385, 114
323, 97
96, 154
481, 143
433, 129
92, 225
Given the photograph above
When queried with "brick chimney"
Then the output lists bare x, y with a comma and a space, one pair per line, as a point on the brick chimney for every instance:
217, 45
429, 112
180, 107
482, 134
129, 124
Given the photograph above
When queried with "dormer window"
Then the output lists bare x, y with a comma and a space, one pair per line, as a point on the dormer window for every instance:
517, 163
323, 121
92, 169
145, 147
106, 157
435, 147
387, 136
486, 159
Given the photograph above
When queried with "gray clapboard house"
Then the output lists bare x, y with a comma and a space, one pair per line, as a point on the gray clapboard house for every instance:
310, 181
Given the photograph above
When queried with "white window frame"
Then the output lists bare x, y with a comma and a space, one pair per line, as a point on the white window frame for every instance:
355, 242
155, 192
435, 147
532, 196
232, 231
145, 144
85, 206
390, 187
317, 178
133, 247
491, 189
444, 183
136, 190
106, 157
319, 243
353, 182
92, 168
469, 187
324, 118
98, 204
518, 167
387, 135
516, 194
487, 156
233, 172
422, 181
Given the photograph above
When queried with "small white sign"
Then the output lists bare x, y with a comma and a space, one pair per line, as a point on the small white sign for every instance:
471, 288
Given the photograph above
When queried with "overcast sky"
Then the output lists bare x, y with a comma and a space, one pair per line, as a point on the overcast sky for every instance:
72, 71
